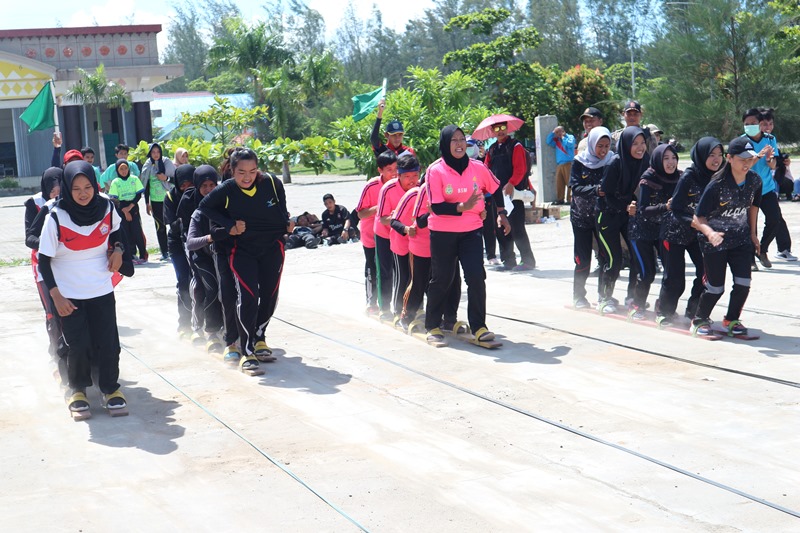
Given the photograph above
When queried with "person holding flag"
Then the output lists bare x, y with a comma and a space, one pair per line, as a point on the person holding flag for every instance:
363, 105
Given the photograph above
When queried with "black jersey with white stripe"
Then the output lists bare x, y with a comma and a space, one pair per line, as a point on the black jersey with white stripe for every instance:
725, 205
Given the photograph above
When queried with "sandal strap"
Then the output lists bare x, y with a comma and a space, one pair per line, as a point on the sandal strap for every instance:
248, 361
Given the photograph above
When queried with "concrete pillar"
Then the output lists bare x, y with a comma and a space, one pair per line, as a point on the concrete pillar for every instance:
144, 124
545, 170
72, 138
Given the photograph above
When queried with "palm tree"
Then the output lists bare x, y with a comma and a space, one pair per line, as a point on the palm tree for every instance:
285, 97
95, 89
246, 50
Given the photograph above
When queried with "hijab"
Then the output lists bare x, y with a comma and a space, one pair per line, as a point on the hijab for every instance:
700, 152
655, 176
202, 174
159, 163
51, 177
82, 215
588, 157
631, 169
118, 164
457, 164
183, 174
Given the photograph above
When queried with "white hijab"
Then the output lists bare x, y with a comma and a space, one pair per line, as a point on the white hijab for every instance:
588, 158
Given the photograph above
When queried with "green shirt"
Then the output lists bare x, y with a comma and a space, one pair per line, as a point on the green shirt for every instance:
125, 190
110, 174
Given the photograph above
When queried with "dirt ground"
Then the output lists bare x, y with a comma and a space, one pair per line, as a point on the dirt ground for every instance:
578, 423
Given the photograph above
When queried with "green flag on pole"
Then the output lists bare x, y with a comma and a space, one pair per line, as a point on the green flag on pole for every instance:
39, 114
363, 104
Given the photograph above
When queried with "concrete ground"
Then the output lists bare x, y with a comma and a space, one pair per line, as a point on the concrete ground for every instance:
578, 423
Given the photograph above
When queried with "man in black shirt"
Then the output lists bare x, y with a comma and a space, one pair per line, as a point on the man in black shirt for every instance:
336, 225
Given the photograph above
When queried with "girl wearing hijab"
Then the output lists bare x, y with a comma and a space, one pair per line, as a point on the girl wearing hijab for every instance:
252, 209
184, 176
81, 245
678, 236
616, 205
456, 185
654, 202
181, 157
727, 219
206, 307
586, 175
155, 176
36, 208
128, 191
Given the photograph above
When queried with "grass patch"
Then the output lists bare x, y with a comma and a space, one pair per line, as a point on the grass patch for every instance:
15, 262
341, 167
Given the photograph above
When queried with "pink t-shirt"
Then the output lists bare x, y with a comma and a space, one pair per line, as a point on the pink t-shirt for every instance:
388, 198
446, 185
404, 212
369, 198
420, 244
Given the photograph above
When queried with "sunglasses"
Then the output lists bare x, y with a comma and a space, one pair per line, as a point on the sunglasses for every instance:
500, 127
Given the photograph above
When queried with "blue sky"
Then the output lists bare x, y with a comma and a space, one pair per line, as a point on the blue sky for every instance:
51, 13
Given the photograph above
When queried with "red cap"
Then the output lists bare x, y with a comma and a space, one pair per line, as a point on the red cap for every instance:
73, 155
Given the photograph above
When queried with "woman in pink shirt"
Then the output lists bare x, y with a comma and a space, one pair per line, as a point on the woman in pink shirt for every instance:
456, 185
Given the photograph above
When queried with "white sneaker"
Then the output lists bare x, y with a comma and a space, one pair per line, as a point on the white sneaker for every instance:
787, 255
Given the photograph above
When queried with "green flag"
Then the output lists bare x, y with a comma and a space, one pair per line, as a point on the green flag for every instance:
39, 114
363, 104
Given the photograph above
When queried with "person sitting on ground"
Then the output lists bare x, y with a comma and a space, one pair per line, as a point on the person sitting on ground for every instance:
336, 223
303, 234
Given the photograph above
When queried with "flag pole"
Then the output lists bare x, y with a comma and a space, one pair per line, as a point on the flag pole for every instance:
384, 87
55, 104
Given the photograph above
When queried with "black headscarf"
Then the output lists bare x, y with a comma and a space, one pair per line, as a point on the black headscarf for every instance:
183, 174
655, 176
202, 174
631, 169
51, 177
159, 163
457, 164
700, 152
82, 215
118, 164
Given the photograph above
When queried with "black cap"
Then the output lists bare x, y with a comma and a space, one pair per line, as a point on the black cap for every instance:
633, 104
742, 147
592, 112
394, 126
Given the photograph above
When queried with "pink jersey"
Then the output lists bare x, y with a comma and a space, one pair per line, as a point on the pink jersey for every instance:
405, 214
369, 198
446, 185
420, 244
388, 198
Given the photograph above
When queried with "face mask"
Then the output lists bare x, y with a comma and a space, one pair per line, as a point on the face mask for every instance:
472, 151
752, 130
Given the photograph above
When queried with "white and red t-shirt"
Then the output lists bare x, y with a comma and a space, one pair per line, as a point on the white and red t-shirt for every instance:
446, 185
420, 244
388, 198
404, 212
369, 198
79, 253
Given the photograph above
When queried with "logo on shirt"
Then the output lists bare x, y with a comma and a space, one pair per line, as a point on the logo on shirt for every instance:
723, 204
104, 229
271, 203
448, 189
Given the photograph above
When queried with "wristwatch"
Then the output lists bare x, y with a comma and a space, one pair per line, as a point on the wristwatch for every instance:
119, 247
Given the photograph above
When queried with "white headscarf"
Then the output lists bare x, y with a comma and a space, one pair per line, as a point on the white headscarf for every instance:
588, 158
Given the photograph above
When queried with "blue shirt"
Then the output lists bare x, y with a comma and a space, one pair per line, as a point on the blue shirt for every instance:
762, 168
568, 142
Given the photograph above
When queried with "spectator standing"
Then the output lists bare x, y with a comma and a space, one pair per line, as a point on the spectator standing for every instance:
155, 176
564, 144
394, 135
591, 118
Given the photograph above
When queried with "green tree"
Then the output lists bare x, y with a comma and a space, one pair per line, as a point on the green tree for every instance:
618, 79
186, 47
247, 50
788, 35
222, 121
525, 89
618, 26
710, 63
559, 25
579, 88
93, 88
283, 92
